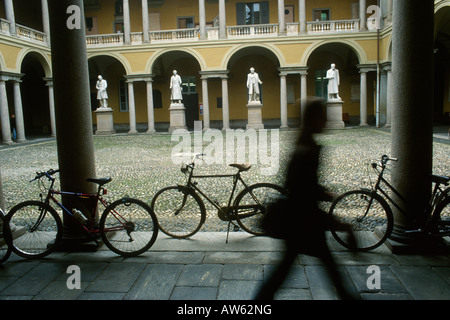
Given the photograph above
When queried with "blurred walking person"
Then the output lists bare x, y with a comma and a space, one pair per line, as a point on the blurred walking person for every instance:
304, 224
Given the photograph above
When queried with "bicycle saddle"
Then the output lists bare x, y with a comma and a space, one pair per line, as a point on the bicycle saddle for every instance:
100, 181
241, 167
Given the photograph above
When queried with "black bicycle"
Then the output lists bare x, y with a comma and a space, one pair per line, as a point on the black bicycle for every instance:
371, 216
181, 211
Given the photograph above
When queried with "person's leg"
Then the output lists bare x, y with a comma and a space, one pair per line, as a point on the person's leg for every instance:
278, 276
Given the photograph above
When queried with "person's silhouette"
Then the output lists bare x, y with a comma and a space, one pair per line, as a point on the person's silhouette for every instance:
306, 223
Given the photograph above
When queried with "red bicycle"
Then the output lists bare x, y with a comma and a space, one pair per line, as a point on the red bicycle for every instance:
127, 226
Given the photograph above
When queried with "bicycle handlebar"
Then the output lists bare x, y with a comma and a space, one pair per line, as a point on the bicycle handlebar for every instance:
47, 174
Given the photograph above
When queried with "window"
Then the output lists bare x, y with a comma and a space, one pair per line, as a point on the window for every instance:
188, 84
185, 22
118, 17
123, 96
321, 14
252, 12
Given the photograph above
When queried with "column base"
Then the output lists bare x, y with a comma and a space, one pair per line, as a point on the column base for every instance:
177, 117
334, 115
76, 242
255, 115
401, 242
105, 122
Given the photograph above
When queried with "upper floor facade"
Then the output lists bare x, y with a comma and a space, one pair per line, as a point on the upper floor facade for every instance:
111, 23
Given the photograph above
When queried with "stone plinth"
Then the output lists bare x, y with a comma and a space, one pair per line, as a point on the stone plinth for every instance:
334, 115
177, 117
255, 115
105, 123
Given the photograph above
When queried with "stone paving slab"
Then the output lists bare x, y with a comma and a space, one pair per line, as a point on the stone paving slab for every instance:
191, 270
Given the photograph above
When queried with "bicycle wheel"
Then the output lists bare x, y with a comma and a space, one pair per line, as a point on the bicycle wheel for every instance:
442, 214
5, 239
368, 214
37, 229
251, 203
128, 227
181, 213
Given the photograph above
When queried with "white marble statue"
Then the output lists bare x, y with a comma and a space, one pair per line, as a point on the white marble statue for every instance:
175, 87
102, 95
333, 83
253, 83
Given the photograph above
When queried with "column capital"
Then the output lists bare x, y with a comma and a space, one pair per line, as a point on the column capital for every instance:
214, 74
364, 68
11, 76
293, 70
387, 66
139, 77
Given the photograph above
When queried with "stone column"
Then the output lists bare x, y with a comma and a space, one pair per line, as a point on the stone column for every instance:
131, 108
225, 104
302, 15
363, 98
202, 19
281, 18
45, 19
222, 20
145, 22
9, 11
150, 105
303, 89
388, 96
4, 114
18, 112
2, 199
73, 115
362, 15
205, 96
283, 101
126, 21
412, 94
51, 105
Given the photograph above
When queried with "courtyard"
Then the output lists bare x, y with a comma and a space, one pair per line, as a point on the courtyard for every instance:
142, 164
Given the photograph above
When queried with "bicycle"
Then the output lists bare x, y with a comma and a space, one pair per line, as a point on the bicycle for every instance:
371, 217
127, 226
5, 239
181, 211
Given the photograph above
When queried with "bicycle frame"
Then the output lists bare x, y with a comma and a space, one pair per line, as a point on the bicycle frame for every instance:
193, 185
90, 226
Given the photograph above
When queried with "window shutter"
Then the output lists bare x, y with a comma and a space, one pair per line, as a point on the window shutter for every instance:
264, 12
240, 13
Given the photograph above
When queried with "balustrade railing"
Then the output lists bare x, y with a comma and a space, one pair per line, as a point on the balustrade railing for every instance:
30, 34
174, 35
192, 34
333, 26
256, 30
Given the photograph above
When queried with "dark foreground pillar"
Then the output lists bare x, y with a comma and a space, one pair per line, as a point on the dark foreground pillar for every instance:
72, 107
412, 89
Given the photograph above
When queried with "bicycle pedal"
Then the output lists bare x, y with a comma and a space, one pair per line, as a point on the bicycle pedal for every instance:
236, 228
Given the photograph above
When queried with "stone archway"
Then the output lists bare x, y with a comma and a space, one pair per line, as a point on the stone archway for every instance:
266, 64
35, 96
347, 61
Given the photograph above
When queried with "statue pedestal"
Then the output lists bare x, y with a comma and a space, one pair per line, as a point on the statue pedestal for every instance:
105, 123
255, 115
334, 115
177, 117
